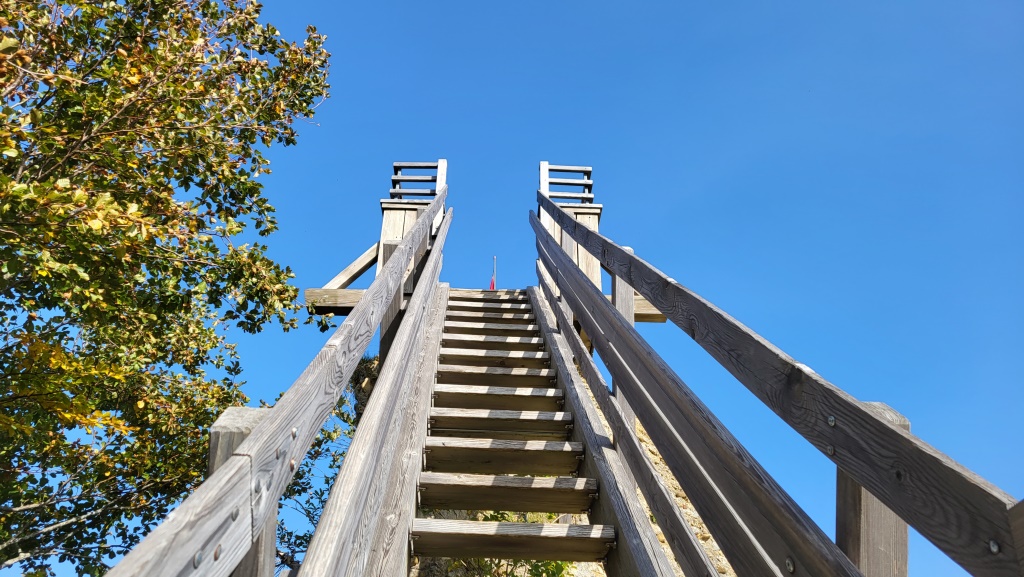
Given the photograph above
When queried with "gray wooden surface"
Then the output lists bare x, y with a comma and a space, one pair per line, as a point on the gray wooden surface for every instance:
353, 271
694, 442
494, 492
229, 510
870, 534
951, 506
545, 541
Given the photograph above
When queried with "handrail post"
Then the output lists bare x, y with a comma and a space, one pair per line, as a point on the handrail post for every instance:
227, 433
391, 318
624, 302
870, 534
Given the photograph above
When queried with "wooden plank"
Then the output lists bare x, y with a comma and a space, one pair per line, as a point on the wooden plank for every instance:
625, 304
870, 534
537, 541
355, 269
479, 317
399, 165
495, 358
499, 492
493, 342
488, 307
488, 296
392, 318
508, 398
227, 433
689, 553
357, 526
643, 311
1017, 526
392, 530
569, 181
587, 170
499, 424
253, 480
496, 329
950, 505
638, 552
414, 178
696, 442
501, 456
515, 377
571, 195
335, 301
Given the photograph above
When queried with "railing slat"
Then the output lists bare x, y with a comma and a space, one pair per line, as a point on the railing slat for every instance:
266, 460
353, 271
957, 510
694, 442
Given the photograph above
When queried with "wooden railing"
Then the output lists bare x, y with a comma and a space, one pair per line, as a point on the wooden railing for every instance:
216, 526
757, 524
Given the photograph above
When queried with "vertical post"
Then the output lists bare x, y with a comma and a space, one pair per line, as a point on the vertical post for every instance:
442, 179
545, 188
226, 434
870, 534
625, 303
390, 319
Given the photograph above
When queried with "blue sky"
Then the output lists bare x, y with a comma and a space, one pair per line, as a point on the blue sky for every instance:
844, 178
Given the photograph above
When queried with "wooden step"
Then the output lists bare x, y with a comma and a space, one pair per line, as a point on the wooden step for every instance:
508, 398
499, 329
414, 178
537, 541
478, 317
488, 376
492, 296
501, 457
495, 342
489, 306
499, 492
571, 181
495, 358
499, 424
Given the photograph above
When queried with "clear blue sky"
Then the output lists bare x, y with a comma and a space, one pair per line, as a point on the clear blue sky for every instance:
844, 178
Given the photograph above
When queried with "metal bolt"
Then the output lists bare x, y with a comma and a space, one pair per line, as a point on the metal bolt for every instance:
295, 432
291, 464
197, 559
831, 421
993, 546
216, 552
830, 450
234, 514
259, 486
790, 566
277, 453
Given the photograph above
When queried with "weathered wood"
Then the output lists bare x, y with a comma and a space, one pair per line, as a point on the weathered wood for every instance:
391, 320
226, 434
252, 481
643, 311
515, 377
500, 295
870, 534
538, 541
355, 269
586, 170
490, 397
639, 550
499, 424
498, 492
495, 358
782, 529
414, 178
1017, 526
488, 307
571, 195
460, 341
335, 301
680, 536
950, 505
498, 456
569, 181
497, 329
485, 317
349, 539
625, 303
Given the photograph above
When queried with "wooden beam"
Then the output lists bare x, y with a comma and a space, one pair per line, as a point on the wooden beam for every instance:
950, 505
695, 436
680, 536
229, 510
226, 434
538, 541
338, 302
491, 397
495, 492
355, 269
870, 534
501, 456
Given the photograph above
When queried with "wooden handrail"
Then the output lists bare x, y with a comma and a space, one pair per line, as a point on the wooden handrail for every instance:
212, 529
366, 493
962, 514
355, 269
758, 525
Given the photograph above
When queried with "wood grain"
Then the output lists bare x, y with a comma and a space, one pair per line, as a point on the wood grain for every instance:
495, 358
498, 492
459, 341
514, 377
539, 541
499, 456
498, 329
491, 397
950, 505
696, 437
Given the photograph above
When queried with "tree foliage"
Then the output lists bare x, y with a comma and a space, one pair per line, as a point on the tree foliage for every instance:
132, 136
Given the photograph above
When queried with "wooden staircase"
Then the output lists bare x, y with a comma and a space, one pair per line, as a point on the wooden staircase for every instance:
499, 439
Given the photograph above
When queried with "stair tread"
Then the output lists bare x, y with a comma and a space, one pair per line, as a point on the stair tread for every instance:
485, 328
471, 316
497, 397
494, 357
516, 376
473, 305
504, 540
491, 342
501, 456
462, 491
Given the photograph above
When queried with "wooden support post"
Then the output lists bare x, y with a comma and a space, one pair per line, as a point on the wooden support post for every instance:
870, 534
392, 315
622, 298
226, 434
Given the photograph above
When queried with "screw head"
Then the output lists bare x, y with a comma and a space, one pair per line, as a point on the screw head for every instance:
259, 486
234, 514
277, 453
291, 464
830, 450
831, 421
295, 432
216, 552
197, 559
993, 546
790, 565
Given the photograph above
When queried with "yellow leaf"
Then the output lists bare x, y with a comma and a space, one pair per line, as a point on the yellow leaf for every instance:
95, 224
140, 404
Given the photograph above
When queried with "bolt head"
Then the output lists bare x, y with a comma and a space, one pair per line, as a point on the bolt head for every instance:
831, 421
295, 432
993, 546
291, 464
234, 514
259, 486
830, 450
790, 565
197, 559
216, 552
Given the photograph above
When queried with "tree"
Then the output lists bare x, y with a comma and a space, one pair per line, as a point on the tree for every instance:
133, 134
